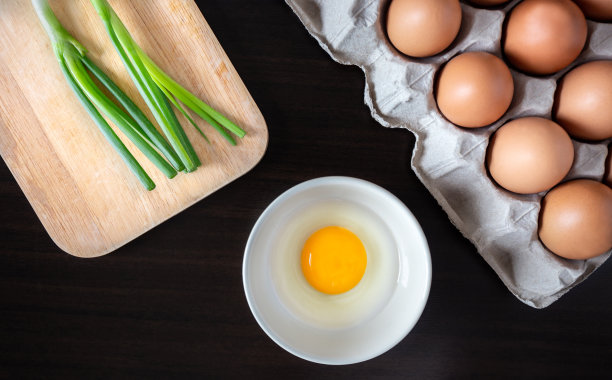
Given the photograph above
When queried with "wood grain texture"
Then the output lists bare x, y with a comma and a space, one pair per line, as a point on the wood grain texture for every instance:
83, 193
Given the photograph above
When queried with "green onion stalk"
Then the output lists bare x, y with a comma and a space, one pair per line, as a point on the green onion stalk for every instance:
159, 91
77, 67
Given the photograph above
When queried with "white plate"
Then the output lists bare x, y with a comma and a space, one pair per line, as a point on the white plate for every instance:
389, 322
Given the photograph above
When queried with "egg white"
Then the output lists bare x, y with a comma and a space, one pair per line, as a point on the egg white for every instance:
343, 310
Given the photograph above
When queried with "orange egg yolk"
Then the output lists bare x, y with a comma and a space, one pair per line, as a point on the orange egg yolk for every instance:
333, 260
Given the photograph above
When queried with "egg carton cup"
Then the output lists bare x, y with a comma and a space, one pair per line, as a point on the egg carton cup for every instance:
449, 160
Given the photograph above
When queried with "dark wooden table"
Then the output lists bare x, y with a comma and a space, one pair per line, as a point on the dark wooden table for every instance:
171, 304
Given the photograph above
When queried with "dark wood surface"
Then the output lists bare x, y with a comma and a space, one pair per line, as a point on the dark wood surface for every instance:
171, 304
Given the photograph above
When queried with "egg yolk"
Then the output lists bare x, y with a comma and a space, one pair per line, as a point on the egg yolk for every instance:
333, 260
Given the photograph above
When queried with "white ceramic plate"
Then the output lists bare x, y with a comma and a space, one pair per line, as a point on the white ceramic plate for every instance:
387, 322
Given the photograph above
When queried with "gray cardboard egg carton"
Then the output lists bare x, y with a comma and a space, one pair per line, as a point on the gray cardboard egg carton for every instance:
450, 160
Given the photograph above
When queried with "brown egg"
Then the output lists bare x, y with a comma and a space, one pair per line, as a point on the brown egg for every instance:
423, 28
474, 89
544, 36
583, 104
488, 3
530, 155
608, 176
598, 10
576, 219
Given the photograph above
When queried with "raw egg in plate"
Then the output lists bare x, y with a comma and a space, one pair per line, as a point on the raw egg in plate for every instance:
337, 270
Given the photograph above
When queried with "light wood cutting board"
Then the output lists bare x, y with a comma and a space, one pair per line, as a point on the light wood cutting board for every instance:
83, 193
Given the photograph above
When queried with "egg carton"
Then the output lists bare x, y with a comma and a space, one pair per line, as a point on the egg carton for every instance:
450, 161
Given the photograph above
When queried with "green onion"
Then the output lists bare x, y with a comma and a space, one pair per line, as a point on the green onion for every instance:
152, 95
116, 114
153, 136
180, 108
170, 154
154, 84
74, 64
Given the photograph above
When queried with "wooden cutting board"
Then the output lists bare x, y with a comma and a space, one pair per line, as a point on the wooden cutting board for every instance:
83, 193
